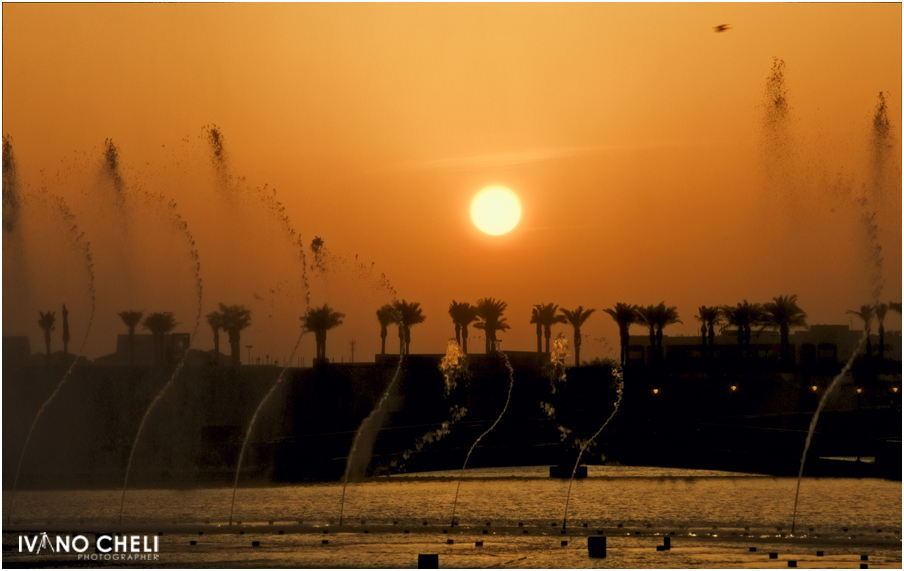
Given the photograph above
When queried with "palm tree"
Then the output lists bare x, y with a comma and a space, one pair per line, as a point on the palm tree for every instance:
131, 320
159, 324
215, 320
386, 315
895, 305
463, 314
490, 313
577, 318
235, 319
647, 316
866, 314
65, 334
624, 315
708, 318
409, 314
548, 317
783, 313
881, 310
46, 322
744, 317
664, 317
320, 320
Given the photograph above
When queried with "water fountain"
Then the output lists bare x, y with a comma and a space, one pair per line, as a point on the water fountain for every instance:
508, 398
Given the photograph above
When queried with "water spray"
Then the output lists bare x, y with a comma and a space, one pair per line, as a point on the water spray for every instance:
815, 419
619, 390
473, 446
85, 249
364, 425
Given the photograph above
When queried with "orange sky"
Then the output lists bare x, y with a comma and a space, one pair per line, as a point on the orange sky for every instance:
633, 135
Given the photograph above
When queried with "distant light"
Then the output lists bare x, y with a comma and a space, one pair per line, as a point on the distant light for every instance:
894, 389
655, 391
814, 387
734, 388
859, 390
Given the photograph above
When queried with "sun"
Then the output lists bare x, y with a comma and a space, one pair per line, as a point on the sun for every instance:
495, 210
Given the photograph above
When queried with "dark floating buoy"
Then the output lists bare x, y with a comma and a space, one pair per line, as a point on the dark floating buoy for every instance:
366, 531
405, 531
778, 528
878, 531
864, 565
649, 525
819, 554
636, 533
585, 525
563, 532
596, 547
242, 532
281, 532
325, 542
485, 532
200, 533
428, 561
715, 527
773, 556
520, 524
425, 523
864, 558
619, 525
255, 544
525, 531
193, 542
450, 541
753, 549
478, 544
564, 543
326, 531
599, 532
812, 529
553, 524
844, 529
792, 563
445, 531
159, 533
488, 524
396, 523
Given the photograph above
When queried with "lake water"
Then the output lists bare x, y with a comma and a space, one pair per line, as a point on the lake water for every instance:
712, 519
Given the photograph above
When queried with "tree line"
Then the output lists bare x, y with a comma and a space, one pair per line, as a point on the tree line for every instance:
782, 313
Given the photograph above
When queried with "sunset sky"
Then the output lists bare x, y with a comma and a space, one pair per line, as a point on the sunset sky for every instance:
639, 141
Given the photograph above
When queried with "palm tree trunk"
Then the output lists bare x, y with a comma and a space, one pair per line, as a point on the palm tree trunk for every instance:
132, 346
659, 354
407, 340
458, 333
383, 343
881, 342
712, 340
47, 342
539, 338
401, 340
464, 339
786, 357
577, 346
703, 338
652, 345
216, 345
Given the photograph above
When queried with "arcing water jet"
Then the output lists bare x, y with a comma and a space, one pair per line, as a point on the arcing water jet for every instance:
473, 446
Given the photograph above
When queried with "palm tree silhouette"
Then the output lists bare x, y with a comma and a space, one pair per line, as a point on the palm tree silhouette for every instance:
65, 334
708, 318
866, 314
577, 318
624, 315
664, 317
131, 320
895, 305
783, 313
235, 319
215, 320
881, 311
647, 316
490, 311
386, 315
319, 320
463, 314
159, 324
744, 316
544, 315
409, 314
46, 322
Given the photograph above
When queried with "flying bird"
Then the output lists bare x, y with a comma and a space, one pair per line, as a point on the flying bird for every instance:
721, 28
